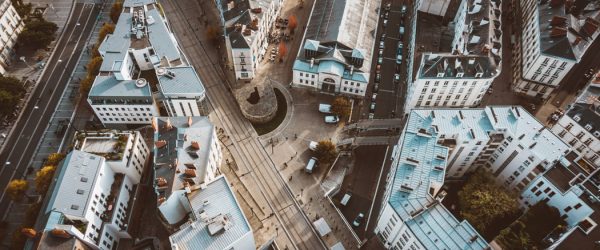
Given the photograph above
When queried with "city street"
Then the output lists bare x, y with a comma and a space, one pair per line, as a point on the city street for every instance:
251, 159
25, 139
390, 94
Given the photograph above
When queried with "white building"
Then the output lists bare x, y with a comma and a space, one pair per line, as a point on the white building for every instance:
142, 42
92, 197
335, 56
247, 25
580, 126
412, 216
10, 27
458, 68
553, 38
216, 219
186, 154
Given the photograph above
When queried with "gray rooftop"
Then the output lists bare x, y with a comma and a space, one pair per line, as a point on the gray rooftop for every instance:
76, 167
162, 41
587, 108
176, 155
340, 30
221, 202
184, 82
133, 3
567, 35
109, 86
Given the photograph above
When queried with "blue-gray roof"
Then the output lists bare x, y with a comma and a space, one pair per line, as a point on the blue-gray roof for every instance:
163, 42
331, 67
119, 40
221, 201
134, 3
184, 82
110, 86
304, 66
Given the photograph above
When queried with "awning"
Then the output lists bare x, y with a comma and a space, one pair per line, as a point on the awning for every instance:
322, 227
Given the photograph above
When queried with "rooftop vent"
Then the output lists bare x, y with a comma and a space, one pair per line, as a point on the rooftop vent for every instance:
170, 74
141, 82
161, 71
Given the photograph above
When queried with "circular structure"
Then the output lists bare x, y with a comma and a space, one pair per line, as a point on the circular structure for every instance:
161, 71
257, 102
141, 82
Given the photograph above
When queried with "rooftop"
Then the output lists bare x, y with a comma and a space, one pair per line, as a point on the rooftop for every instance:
241, 20
343, 31
109, 86
181, 151
567, 34
586, 109
476, 52
180, 80
217, 221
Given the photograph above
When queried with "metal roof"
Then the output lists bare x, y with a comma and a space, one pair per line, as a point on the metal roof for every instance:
176, 153
162, 40
134, 3
185, 82
106, 86
214, 200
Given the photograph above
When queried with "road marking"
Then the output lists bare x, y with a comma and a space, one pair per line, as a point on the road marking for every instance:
377, 187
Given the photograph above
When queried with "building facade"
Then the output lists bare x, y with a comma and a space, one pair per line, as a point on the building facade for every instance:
467, 59
10, 27
553, 38
92, 197
143, 45
247, 26
335, 56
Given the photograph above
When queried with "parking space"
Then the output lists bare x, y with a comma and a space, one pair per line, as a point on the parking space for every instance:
385, 98
360, 183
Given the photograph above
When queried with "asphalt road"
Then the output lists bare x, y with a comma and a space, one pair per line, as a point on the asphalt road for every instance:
390, 95
22, 143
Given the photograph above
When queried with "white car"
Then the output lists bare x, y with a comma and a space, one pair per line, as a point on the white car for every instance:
381, 44
332, 119
312, 145
358, 220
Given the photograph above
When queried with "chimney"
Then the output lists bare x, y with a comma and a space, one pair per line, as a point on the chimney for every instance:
189, 122
312, 62
168, 124
195, 145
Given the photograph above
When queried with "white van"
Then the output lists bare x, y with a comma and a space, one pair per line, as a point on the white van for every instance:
346, 198
312, 163
325, 108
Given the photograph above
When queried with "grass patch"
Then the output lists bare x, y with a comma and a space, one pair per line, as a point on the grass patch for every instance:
262, 129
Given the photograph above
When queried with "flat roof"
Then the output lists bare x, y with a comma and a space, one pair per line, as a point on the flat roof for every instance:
216, 201
107, 86
183, 80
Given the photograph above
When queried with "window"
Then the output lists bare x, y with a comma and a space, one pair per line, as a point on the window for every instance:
567, 209
577, 206
79, 191
74, 207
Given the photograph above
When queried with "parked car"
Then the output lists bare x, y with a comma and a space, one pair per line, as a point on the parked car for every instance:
311, 164
386, 15
358, 219
380, 60
372, 109
381, 44
312, 145
396, 78
377, 77
403, 10
375, 87
346, 198
325, 108
380, 52
384, 23
401, 31
374, 97
332, 119
388, 6
382, 36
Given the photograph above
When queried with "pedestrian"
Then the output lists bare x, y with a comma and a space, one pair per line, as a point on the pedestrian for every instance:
290, 178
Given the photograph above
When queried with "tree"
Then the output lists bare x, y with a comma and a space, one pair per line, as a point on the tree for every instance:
22, 9
11, 91
282, 51
16, 189
529, 230
292, 23
85, 85
54, 159
115, 11
213, 34
341, 106
107, 28
482, 202
37, 34
43, 179
93, 66
326, 152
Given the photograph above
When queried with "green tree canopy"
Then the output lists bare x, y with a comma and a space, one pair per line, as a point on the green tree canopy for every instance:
38, 33
326, 152
11, 90
482, 201
341, 106
530, 229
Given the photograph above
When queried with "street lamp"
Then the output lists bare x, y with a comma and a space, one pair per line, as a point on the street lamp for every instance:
25, 61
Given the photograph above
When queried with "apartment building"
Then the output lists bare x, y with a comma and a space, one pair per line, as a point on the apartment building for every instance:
337, 48
186, 154
580, 124
413, 216
447, 143
553, 38
143, 70
247, 25
457, 62
10, 27
91, 199
216, 219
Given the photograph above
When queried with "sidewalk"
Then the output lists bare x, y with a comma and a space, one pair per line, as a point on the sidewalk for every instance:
51, 142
